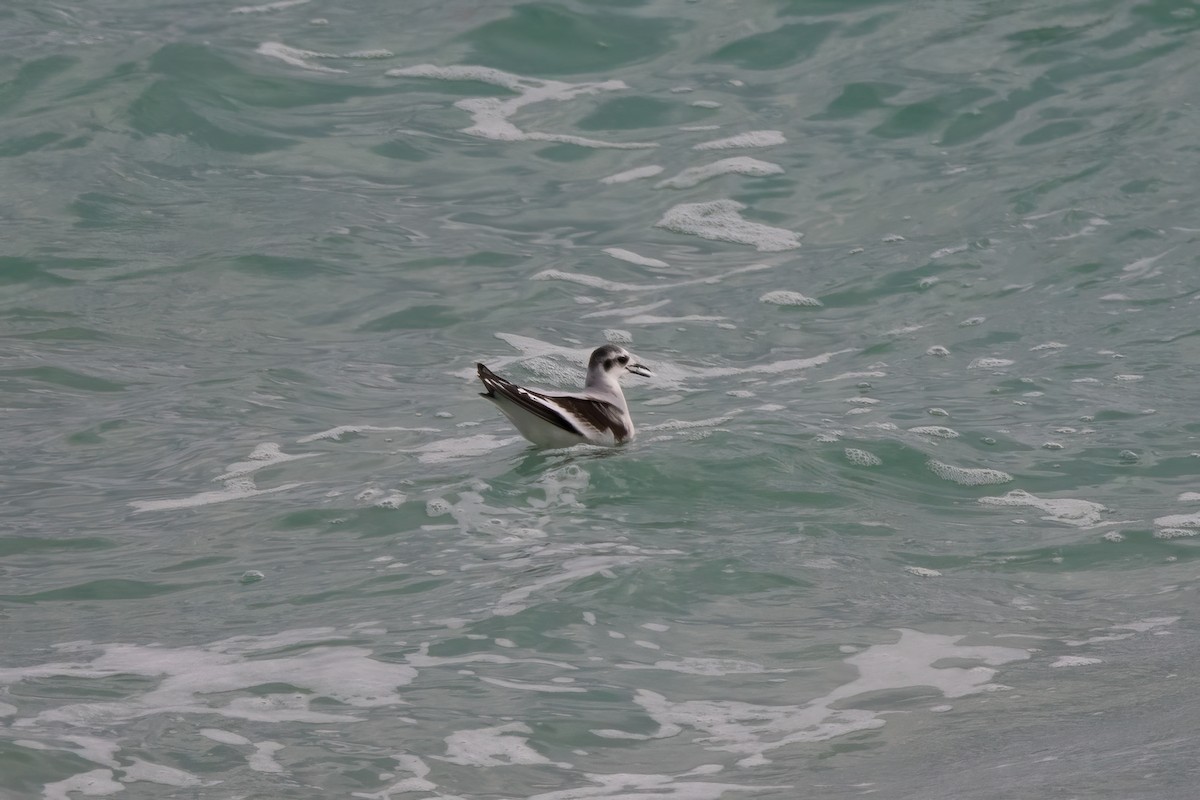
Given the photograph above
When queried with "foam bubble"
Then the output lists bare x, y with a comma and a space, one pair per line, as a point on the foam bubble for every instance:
1080, 513
719, 220
937, 350
742, 165
637, 173
940, 431
783, 297
967, 476
748, 139
862, 458
490, 115
923, 572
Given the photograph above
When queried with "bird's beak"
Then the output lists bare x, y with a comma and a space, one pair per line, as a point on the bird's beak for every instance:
638, 369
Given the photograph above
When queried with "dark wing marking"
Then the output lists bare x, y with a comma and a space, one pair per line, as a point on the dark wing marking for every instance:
581, 412
599, 415
523, 398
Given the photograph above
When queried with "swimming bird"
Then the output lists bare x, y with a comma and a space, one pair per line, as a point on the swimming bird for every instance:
597, 415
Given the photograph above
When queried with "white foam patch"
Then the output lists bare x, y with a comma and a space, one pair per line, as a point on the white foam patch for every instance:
267, 454
224, 737
335, 434
421, 658
494, 747
653, 319
236, 489
191, 680
490, 116
513, 601
940, 431
1143, 267
268, 7
1189, 497
89, 748
624, 311
239, 483
614, 286
741, 165
862, 458
1178, 521
1047, 346
990, 363
748, 139
719, 220
783, 297
1080, 513
629, 786
968, 476
140, 770
419, 781
297, 57
680, 424
1075, 661
526, 686
263, 760
463, 447
751, 730
634, 258
947, 251
97, 783
923, 572
637, 173
705, 666
617, 336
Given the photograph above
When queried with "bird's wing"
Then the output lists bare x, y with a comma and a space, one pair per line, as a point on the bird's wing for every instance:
578, 414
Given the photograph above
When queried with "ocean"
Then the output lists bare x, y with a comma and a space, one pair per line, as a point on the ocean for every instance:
913, 507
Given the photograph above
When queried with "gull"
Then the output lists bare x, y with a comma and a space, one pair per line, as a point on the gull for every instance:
597, 415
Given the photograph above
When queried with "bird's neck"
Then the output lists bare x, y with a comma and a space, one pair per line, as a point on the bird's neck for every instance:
604, 383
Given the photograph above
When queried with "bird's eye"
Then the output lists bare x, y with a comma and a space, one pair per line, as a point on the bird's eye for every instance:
623, 359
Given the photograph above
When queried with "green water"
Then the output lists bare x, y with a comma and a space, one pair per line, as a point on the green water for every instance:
913, 505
